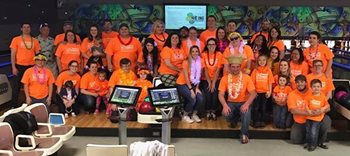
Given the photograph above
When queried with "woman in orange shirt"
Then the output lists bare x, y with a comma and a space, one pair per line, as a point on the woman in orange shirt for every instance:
67, 51
212, 64
188, 85
259, 46
151, 57
297, 64
158, 34
87, 88
273, 61
221, 38
275, 40
284, 69
172, 57
94, 39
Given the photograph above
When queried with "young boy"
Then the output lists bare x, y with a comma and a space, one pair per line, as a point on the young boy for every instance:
144, 84
280, 94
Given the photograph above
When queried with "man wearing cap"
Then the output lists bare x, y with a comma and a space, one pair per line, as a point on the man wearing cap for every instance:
23, 49
108, 33
46, 43
297, 106
265, 28
241, 93
68, 25
38, 82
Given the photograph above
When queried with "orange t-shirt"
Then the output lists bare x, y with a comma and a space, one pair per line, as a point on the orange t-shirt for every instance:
279, 44
262, 77
327, 83
60, 38
106, 37
212, 62
321, 52
132, 51
120, 78
297, 69
297, 100
316, 102
292, 83
85, 48
246, 87
205, 35
281, 94
247, 54
63, 77
68, 52
88, 82
35, 88
273, 66
265, 34
187, 44
144, 84
24, 56
176, 56
101, 87
181, 79
159, 39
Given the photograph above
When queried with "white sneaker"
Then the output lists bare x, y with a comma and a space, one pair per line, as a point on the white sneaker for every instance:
196, 118
187, 119
73, 114
66, 115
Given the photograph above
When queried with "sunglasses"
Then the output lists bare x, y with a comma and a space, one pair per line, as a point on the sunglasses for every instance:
234, 38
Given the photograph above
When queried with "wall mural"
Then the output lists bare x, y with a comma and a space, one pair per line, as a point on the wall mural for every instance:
293, 21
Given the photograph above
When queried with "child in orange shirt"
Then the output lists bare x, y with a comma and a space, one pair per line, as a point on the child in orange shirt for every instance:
102, 90
317, 102
262, 78
280, 94
144, 84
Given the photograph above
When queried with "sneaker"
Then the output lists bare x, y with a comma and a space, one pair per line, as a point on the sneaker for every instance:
73, 114
213, 115
96, 111
323, 146
196, 118
311, 148
66, 115
209, 116
187, 119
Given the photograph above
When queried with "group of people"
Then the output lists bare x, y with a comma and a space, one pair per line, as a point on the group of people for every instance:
213, 68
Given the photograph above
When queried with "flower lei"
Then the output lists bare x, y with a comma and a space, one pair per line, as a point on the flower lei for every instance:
240, 49
196, 71
310, 55
127, 43
41, 81
237, 89
189, 43
124, 78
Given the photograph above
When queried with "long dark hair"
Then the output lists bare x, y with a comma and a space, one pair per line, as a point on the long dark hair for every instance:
301, 55
217, 31
154, 52
278, 55
264, 49
216, 44
168, 41
278, 31
65, 36
98, 36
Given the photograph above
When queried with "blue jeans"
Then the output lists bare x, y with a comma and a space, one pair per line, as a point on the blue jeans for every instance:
190, 103
233, 116
312, 132
279, 115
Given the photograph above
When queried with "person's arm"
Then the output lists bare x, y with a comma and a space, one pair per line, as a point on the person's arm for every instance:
84, 55
268, 94
109, 62
207, 78
225, 108
329, 68
249, 64
226, 68
296, 111
49, 97
86, 92
245, 107
188, 83
13, 61
171, 66
59, 66
26, 92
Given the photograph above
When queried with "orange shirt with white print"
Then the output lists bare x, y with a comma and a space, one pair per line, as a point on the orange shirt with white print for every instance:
247, 54
89, 82
316, 102
159, 39
176, 56
187, 44
106, 37
181, 79
297, 69
206, 34
246, 86
85, 48
60, 38
119, 77
144, 84
262, 77
281, 93
320, 52
212, 62
297, 100
279, 44
121, 48
291, 83
25, 56
327, 83
64, 76
38, 83
102, 87
68, 52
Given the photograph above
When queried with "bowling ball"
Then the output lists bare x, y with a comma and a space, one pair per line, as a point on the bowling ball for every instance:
345, 101
339, 95
146, 107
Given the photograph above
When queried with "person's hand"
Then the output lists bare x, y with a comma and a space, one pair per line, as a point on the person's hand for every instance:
14, 71
198, 91
328, 73
247, 71
226, 110
212, 87
209, 86
94, 94
193, 95
268, 94
113, 107
110, 67
28, 100
48, 101
244, 108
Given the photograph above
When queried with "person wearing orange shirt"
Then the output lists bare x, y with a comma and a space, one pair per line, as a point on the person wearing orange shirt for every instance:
316, 101
172, 57
318, 51
183, 33
297, 63
101, 87
38, 82
262, 78
284, 69
222, 39
275, 40
211, 29
144, 84
124, 46
158, 34
108, 33
67, 26
23, 49
317, 73
188, 86
94, 39
273, 61
265, 28
231, 27
67, 51
212, 64
259, 46
87, 88
151, 57
192, 40
279, 95
296, 102
62, 78
237, 48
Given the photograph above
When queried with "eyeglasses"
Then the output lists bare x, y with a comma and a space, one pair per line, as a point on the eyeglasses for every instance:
234, 38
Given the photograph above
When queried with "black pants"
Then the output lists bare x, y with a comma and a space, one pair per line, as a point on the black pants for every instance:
259, 108
62, 107
16, 85
88, 102
211, 98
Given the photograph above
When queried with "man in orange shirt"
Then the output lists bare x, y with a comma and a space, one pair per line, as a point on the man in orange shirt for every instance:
68, 25
192, 40
108, 33
297, 101
23, 49
183, 33
231, 27
241, 93
265, 28
210, 32
327, 83
124, 46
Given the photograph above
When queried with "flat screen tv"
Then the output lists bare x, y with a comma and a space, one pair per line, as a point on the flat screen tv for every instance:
176, 16
125, 95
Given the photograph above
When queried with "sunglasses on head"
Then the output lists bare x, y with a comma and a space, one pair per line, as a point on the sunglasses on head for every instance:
234, 38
